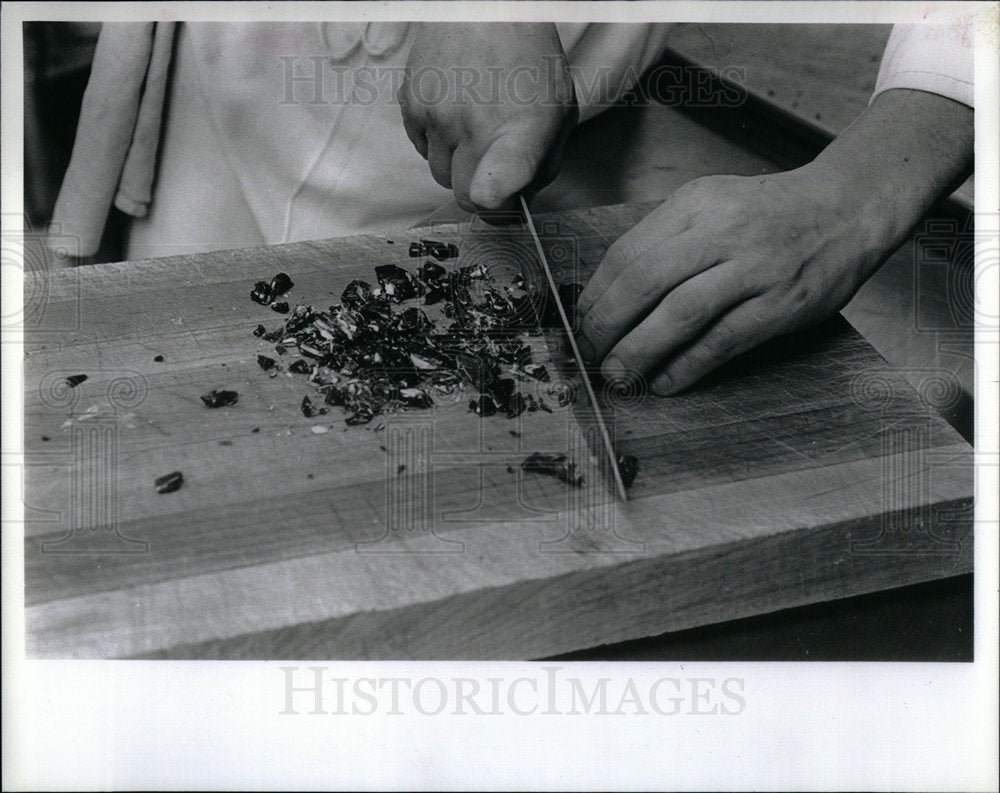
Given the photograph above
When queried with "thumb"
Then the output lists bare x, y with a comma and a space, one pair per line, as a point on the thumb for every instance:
507, 168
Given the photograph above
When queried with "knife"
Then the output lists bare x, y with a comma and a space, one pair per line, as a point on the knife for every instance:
553, 290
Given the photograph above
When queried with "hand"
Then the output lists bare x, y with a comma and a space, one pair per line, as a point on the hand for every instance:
498, 125
724, 264
728, 262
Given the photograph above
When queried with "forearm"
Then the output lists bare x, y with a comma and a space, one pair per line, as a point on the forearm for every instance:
905, 151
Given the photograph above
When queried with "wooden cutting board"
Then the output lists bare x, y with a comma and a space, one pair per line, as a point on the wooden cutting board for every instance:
806, 471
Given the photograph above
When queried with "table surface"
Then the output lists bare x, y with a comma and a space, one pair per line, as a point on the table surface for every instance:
809, 470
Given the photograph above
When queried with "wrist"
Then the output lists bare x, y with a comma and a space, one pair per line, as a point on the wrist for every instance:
883, 173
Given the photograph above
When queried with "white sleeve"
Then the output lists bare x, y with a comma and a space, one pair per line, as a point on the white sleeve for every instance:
607, 59
933, 58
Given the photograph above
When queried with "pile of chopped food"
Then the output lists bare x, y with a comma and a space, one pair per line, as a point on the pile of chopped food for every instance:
379, 351
411, 337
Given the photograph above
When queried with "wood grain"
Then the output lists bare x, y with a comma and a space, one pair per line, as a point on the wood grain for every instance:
805, 471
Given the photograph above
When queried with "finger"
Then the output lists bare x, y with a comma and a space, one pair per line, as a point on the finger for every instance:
507, 167
415, 133
740, 329
639, 286
670, 219
439, 158
682, 316
463, 168
551, 163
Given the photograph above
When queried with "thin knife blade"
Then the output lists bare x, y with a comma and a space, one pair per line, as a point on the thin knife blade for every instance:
554, 291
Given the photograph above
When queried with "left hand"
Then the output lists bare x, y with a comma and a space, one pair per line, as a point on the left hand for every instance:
499, 123
724, 264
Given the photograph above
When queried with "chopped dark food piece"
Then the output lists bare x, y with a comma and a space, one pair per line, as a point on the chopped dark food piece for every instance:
75, 379
170, 482
415, 398
432, 272
369, 358
514, 433
628, 467
45, 438
218, 399
557, 465
510, 469
439, 250
356, 293
484, 406
158, 358
503, 389
255, 429
400, 469
264, 362
416, 249
390, 242
262, 293
474, 369
515, 406
308, 410
413, 320
334, 397
396, 282
538, 371
301, 316
281, 308
362, 416
434, 295
280, 284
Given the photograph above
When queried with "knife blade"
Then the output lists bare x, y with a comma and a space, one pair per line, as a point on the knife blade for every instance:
554, 292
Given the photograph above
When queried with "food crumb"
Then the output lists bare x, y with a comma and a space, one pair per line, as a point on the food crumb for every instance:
75, 379
158, 358
217, 399
170, 482
319, 429
557, 465
628, 467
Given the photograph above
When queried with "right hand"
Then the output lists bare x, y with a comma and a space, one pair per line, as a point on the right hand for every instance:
498, 126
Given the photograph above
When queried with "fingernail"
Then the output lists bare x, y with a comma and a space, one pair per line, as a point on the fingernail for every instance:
661, 384
586, 351
613, 369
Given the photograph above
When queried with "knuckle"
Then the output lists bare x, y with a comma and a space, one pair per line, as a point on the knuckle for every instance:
798, 293
719, 343
621, 253
690, 314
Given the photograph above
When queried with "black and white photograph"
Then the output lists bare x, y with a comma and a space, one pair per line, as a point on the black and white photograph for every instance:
406, 375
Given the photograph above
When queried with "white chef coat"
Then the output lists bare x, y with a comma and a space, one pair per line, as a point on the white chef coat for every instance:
929, 57
285, 132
